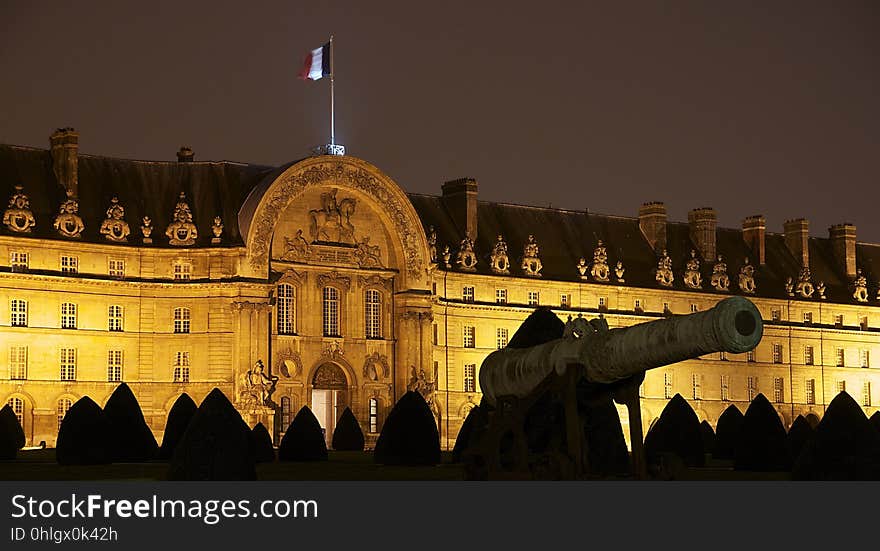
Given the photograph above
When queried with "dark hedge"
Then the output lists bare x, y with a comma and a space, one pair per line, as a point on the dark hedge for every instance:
762, 444
409, 436
304, 439
261, 442
85, 435
131, 440
677, 431
347, 436
179, 416
11, 434
727, 432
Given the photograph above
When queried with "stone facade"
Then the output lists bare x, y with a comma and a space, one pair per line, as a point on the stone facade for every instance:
329, 275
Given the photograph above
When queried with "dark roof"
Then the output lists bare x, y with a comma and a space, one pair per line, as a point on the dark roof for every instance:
144, 188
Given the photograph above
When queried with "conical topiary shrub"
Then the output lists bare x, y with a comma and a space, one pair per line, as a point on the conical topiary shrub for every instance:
131, 439
84, 436
727, 432
348, 436
304, 439
708, 435
541, 326
467, 430
216, 444
11, 434
762, 444
179, 416
409, 435
677, 431
844, 447
875, 420
799, 434
261, 442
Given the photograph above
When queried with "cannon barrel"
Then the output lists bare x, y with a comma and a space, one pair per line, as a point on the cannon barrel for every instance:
733, 325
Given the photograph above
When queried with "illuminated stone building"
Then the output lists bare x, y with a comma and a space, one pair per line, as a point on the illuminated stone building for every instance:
182, 276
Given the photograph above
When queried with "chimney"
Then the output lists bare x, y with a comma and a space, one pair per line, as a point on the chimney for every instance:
797, 239
185, 154
460, 200
754, 228
703, 222
652, 222
64, 144
843, 245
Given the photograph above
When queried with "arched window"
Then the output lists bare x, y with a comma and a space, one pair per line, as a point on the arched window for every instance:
18, 312
286, 309
181, 320
17, 405
285, 413
331, 312
374, 415
373, 313
63, 405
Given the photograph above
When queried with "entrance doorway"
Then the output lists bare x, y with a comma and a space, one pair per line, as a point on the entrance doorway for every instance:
329, 397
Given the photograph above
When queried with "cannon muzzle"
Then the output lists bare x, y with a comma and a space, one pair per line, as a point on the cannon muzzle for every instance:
733, 325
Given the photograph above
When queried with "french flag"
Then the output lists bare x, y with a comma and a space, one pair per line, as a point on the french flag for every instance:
316, 64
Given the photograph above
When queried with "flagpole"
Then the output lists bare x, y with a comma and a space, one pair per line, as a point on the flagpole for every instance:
332, 97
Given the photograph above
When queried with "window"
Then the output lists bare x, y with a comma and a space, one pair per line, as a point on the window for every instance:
750, 356
838, 320
17, 405
840, 355
469, 336
18, 356
68, 364
467, 293
62, 408
752, 388
698, 386
181, 367
725, 387
775, 314
373, 313
694, 308
667, 385
182, 270
285, 308
777, 353
866, 393
501, 296
181, 320
68, 315
114, 318
18, 313
863, 323
18, 261
470, 377
864, 358
841, 386
116, 267
778, 390
638, 306
808, 318
435, 338
722, 356
500, 338
534, 298
810, 391
69, 264
603, 303
564, 300
114, 366
374, 415
285, 413
808, 355
331, 312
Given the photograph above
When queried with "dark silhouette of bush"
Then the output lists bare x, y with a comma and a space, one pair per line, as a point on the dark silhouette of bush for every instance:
708, 435
409, 436
541, 326
347, 436
677, 431
799, 434
844, 447
762, 444
304, 439
11, 434
467, 430
875, 420
215, 446
261, 442
179, 416
84, 436
131, 440
727, 432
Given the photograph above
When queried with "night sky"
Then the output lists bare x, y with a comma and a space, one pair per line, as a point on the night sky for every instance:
749, 107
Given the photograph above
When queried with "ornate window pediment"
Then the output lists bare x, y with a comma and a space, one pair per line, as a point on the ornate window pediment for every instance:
334, 279
18, 216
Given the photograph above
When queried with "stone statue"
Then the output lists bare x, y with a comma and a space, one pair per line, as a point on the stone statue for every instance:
447, 256
18, 216
499, 260
419, 383
114, 227
860, 287
332, 222
720, 281
257, 387
747, 278
432, 244
692, 276
531, 264
181, 231
664, 276
466, 258
599, 269
618, 272
68, 223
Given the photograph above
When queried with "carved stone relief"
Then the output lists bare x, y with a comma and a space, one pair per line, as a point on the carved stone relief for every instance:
531, 263
368, 256
18, 216
114, 227
329, 376
499, 260
375, 281
376, 367
181, 231
333, 350
296, 248
289, 364
332, 222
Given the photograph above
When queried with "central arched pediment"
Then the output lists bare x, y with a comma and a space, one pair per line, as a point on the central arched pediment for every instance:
332, 190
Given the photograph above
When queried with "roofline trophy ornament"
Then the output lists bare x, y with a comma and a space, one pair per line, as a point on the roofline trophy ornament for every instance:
499, 259
531, 264
618, 272
68, 222
692, 276
747, 278
447, 256
18, 216
182, 231
860, 287
147, 229
466, 258
664, 275
804, 285
599, 270
217, 230
114, 227
582, 268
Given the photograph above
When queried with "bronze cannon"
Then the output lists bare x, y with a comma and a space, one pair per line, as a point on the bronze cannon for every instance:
547, 408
